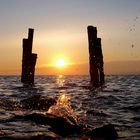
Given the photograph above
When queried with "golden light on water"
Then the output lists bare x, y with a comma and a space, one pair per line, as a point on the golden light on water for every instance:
63, 100
63, 109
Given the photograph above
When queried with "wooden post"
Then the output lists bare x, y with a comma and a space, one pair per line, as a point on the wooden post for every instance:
95, 57
100, 61
28, 60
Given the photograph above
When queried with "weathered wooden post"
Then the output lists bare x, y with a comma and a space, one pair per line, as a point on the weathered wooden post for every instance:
95, 57
100, 61
28, 60
92, 39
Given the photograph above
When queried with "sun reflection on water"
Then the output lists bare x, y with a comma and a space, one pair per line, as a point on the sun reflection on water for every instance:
60, 80
63, 109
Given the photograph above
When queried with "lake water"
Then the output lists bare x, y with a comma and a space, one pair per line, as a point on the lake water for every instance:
118, 103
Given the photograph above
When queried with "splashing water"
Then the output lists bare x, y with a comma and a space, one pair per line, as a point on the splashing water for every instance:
63, 109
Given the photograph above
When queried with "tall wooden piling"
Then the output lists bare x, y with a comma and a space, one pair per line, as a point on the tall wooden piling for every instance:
28, 60
95, 57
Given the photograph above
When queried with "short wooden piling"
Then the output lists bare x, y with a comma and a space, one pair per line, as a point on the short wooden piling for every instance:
28, 60
95, 57
100, 61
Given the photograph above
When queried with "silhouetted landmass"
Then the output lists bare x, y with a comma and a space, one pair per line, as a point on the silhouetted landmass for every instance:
64, 127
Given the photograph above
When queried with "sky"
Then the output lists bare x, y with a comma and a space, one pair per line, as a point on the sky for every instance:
61, 33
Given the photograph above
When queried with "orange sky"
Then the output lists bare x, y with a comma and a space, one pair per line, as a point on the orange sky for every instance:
61, 32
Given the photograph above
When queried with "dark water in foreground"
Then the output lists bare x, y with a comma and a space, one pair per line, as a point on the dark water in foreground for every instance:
117, 103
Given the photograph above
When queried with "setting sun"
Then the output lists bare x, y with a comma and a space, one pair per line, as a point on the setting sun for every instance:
61, 63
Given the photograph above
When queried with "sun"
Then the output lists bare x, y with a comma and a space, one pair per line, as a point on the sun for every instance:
61, 63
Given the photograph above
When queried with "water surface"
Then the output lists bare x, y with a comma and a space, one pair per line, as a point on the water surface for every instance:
118, 103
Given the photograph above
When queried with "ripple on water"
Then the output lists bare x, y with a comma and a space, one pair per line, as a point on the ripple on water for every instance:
116, 103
